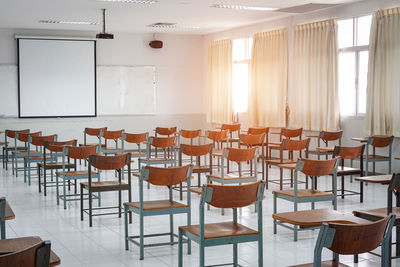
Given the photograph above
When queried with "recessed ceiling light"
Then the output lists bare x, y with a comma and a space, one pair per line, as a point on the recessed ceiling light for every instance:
131, 1
68, 22
170, 25
239, 7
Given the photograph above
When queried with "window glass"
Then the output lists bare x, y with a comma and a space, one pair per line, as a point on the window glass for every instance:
363, 29
362, 81
347, 76
239, 49
240, 86
345, 33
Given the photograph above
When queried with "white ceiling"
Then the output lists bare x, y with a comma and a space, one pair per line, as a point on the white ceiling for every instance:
124, 17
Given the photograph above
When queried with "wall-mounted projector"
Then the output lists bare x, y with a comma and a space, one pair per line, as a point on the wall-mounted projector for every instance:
103, 34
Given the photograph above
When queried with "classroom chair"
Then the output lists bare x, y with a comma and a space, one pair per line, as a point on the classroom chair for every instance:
378, 142
117, 137
37, 141
165, 132
285, 133
117, 163
261, 130
224, 233
255, 140
6, 148
314, 169
352, 239
76, 153
20, 154
95, 132
325, 137
55, 150
159, 177
234, 132
138, 139
349, 153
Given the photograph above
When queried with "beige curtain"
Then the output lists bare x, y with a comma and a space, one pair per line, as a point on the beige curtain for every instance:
383, 88
313, 93
220, 82
268, 82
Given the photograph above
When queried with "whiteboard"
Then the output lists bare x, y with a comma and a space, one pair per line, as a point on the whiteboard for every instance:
126, 90
9, 90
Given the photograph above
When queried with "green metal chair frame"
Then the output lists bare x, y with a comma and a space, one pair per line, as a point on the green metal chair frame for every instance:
160, 177
303, 165
78, 176
3, 217
221, 196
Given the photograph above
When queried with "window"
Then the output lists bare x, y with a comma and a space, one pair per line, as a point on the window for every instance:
241, 55
353, 38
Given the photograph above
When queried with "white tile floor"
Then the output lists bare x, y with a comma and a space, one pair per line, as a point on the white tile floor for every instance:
103, 245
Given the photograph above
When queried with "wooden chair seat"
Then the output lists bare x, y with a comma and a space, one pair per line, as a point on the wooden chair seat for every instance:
17, 244
322, 149
275, 144
311, 218
287, 166
303, 193
138, 154
200, 169
39, 157
347, 170
230, 176
110, 148
54, 165
9, 213
158, 159
324, 264
378, 213
157, 204
104, 185
196, 190
4, 143
26, 152
376, 157
278, 161
76, 173
219, 230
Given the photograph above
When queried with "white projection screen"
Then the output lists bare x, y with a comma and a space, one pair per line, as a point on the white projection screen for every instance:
57, 78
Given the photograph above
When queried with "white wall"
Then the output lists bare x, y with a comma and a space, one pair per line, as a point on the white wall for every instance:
180, 94
351, 126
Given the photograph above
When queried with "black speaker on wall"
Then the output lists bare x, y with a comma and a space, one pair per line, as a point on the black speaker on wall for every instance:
156, 44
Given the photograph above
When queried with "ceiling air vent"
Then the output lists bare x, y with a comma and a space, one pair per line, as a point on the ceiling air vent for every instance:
162, 25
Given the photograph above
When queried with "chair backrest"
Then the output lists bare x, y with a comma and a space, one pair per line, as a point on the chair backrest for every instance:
380, 141
235, 127
162, 142
291, 133
196, 150
232, 196
166, 176
37, 255
240, 154
23, 137
136, 138
58, 146
112, 135
40, 140
330, 136
11, 133
110, 162
217, 135
349, 152
351, 239
94, 131
312, 167
252, 139
295, 145
258, 130
81, 152
165, 131
190, 133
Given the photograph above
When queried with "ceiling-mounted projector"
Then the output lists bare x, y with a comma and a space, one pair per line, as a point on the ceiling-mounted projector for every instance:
103, 34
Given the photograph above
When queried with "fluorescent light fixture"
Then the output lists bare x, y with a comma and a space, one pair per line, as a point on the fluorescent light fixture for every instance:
49, 21
239, 7
148, 2
169, 25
